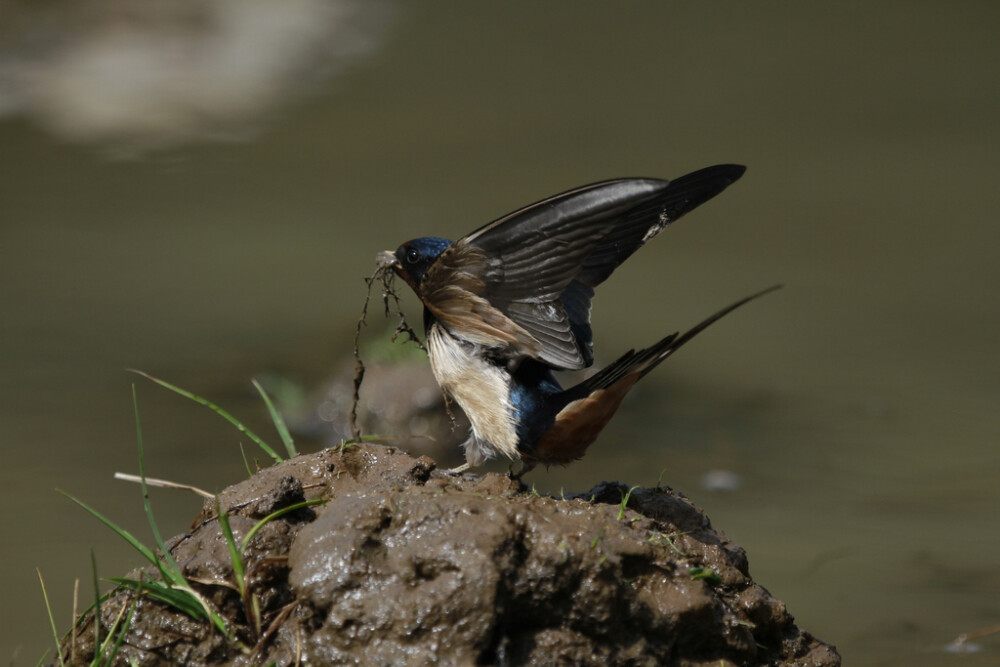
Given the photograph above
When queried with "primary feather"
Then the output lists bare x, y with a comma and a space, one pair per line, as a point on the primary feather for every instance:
523, 283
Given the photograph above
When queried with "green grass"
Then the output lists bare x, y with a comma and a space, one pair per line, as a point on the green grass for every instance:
97, 600
663, 539
172, 588
233, 420
274, 515
279, 422
106, 651
251, 605
710, 576
624, 503
52, 620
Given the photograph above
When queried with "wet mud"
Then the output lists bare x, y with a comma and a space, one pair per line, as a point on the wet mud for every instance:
407, 565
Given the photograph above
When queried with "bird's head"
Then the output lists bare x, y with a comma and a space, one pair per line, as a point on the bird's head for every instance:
412, 259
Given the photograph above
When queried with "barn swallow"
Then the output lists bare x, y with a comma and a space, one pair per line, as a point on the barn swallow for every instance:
508, 304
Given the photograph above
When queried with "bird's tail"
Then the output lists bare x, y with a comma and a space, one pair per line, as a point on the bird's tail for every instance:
645, 360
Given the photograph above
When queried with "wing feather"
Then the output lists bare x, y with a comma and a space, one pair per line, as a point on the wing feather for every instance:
454, 291
524, 282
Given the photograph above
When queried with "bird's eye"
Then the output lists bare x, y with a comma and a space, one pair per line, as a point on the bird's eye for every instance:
412, 255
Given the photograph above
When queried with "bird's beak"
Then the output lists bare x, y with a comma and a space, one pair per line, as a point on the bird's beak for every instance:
387, 259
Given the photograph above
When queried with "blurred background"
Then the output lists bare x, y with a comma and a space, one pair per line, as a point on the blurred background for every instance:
197, 190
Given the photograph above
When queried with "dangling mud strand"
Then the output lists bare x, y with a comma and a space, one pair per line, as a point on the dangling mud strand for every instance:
384, 275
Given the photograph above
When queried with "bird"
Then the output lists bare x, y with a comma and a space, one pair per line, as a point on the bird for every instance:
507, 305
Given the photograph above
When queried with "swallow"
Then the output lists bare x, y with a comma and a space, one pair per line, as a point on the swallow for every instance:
509, 303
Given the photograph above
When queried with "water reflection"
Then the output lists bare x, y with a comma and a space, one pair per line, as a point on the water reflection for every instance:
131, 76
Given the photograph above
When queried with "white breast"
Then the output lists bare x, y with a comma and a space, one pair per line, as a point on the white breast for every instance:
482, 389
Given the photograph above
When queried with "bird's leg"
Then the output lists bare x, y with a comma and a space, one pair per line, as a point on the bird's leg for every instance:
459, 470
526, 467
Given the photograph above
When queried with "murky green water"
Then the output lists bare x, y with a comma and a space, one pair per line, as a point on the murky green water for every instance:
857, 406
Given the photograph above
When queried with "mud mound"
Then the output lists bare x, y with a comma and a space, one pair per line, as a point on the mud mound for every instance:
408, 566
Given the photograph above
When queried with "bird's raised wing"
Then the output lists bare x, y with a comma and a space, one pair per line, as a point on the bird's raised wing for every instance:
525, 281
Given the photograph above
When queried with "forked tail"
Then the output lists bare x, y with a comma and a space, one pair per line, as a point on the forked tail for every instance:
645, 360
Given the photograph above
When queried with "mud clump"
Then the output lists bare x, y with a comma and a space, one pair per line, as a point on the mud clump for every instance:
406, 565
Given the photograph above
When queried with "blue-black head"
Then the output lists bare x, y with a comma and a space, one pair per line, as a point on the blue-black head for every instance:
413, 258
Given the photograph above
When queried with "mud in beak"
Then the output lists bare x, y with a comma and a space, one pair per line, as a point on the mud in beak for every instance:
386, 259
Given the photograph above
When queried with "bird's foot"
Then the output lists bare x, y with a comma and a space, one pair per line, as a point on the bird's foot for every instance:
458, 470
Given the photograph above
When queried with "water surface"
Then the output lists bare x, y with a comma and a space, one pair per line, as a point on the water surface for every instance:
857, 406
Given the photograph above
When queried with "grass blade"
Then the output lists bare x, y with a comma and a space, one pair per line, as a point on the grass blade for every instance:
183, 598
216, 618
234, 552
97, 600
120, 637
624, 503
164, 484
176, 598
52, 620
279, 422
171, 572
176, 588
216, 409
246, 461
145, 551
251, 606
274, 515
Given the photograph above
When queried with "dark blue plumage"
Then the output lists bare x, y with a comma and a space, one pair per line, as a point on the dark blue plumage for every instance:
536, 397
509, 303
419, 256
